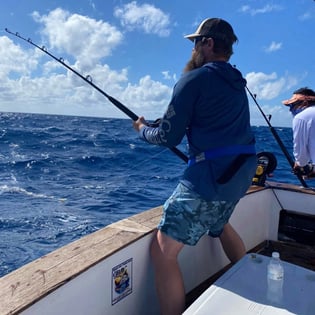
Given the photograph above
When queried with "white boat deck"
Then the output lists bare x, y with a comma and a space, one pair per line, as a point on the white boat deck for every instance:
243, 290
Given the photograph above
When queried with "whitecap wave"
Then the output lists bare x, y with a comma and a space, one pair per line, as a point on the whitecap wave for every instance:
20, 190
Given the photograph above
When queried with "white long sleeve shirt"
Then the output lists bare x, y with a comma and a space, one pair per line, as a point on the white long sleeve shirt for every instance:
303, 126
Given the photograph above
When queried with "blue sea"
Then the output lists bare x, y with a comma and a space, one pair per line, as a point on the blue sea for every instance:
62, 177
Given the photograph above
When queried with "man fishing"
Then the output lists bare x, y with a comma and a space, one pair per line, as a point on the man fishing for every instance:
209, 105
302, 107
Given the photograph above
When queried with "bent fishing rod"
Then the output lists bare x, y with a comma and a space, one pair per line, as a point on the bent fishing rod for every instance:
278, 139
88, 79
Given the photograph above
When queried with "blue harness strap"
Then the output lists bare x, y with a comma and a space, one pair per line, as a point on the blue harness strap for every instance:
222, 151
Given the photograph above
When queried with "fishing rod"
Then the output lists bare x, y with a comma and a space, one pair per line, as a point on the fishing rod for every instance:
278, 139
88, 79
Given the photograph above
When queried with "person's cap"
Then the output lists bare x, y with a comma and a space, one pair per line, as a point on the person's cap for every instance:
298, 98
213, 27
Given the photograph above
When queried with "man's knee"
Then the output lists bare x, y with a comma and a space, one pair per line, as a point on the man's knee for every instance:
163, 247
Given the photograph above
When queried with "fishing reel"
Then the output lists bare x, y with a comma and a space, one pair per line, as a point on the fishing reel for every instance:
266, 164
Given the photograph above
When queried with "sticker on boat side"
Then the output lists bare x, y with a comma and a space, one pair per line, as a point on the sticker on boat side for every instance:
121, 281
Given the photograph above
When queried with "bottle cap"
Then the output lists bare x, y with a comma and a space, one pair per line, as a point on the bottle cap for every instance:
275, 255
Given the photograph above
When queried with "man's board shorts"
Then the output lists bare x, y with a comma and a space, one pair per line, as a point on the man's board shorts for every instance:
187, 217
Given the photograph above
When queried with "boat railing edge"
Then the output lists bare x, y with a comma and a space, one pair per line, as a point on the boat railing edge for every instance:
281, 186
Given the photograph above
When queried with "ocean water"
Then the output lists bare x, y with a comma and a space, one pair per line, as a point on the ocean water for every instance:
62, 177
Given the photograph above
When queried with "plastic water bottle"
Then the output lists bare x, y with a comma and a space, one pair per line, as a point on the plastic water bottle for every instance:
275, 277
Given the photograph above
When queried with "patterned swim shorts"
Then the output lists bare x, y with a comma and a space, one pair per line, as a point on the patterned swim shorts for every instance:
187, 217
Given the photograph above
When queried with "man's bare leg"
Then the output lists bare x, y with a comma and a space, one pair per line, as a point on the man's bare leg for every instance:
168, 277
232, 243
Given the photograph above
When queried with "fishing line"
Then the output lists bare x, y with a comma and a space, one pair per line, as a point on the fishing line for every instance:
88, 79
278, 139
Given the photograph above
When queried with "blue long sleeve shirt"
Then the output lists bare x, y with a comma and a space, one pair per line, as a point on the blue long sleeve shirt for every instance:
209, 105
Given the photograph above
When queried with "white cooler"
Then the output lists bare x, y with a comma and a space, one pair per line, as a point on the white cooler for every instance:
243, 290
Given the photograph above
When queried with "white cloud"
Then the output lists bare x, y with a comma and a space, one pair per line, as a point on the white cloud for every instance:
65, 32
305, 16
92, 4
148, 91
266, 9
268, 86
30, 85
168, 76
280, 115
273, 47
143, 17
14, 59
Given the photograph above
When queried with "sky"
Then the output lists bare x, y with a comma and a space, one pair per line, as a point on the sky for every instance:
135, 51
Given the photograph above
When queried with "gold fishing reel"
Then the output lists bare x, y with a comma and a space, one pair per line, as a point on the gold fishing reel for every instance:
266, 164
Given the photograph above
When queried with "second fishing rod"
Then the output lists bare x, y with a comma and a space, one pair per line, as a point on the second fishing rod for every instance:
278, 139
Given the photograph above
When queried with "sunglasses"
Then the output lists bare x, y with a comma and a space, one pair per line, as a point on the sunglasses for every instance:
295, 104
198, 39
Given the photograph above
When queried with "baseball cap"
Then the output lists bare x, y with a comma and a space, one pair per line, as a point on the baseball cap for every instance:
214, 27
